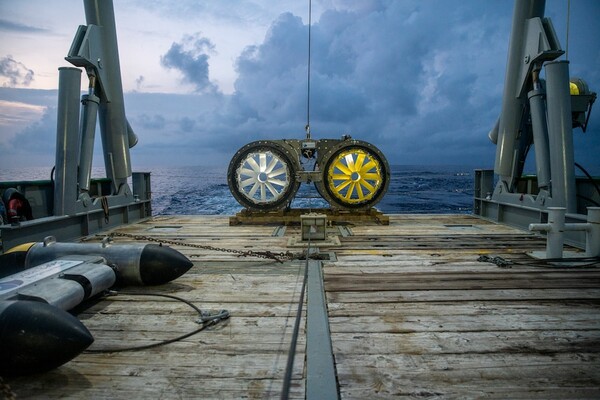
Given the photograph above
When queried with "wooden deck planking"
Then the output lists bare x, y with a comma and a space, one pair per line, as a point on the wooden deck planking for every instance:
468, 376
416, 315
412, 313
243, 357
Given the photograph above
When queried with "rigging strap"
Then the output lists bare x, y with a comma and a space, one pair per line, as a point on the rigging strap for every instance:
105, 208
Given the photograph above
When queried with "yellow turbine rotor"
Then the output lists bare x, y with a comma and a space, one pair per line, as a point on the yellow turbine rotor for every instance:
354, 176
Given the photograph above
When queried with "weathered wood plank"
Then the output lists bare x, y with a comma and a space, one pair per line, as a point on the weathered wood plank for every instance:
538, 342
451, 323
472, 308
460, 281
129, 305
445, 295
469, 376
68, 383
182, 363
171, 325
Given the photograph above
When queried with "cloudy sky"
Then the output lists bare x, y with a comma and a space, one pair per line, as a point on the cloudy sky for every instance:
420, 79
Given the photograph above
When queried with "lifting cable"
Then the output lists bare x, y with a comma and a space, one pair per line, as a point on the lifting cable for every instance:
287, 380
205, 319
568, 26
307, 127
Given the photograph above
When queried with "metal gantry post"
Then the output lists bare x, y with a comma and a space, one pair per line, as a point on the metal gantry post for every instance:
89, 112
539, 127
592, 245
117, 137
67, 141
560, 133
512, 103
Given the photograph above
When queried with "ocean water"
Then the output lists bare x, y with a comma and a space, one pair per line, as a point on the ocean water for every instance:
412, 189
204, 190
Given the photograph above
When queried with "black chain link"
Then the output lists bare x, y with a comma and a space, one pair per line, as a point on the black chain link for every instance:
499, 261
567, 262
279, 257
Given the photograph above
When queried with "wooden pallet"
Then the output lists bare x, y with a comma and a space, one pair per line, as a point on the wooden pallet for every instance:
292, 216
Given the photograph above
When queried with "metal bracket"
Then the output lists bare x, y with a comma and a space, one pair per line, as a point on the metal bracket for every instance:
86, 51
541, 44
309, 176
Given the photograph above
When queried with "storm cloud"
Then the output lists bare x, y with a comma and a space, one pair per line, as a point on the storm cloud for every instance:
190, 57
421, 80
391, 75
14, 73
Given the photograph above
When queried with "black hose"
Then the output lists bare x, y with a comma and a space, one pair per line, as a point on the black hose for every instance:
207, 322
592, 201
591, 179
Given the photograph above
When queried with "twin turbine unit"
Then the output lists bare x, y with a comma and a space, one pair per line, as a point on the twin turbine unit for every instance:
349, 174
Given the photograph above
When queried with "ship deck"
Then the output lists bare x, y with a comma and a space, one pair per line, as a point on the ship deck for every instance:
411, 313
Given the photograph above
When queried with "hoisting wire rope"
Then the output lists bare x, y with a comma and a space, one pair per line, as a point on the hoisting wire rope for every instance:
307, 127
289, 367
568, 26
287, 380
